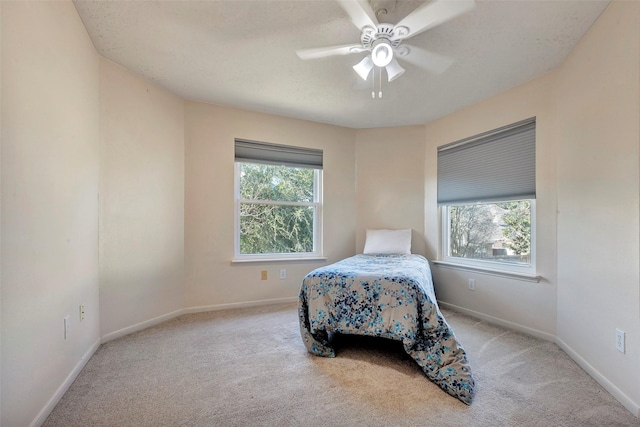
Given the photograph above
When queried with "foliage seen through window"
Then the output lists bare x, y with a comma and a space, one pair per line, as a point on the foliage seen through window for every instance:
277, 209
491, 231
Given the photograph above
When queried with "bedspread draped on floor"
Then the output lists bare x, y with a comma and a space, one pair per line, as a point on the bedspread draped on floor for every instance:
388, 296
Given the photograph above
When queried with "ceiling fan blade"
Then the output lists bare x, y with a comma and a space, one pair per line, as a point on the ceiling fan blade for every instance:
430, 61
360, 13
322, 52
433, 14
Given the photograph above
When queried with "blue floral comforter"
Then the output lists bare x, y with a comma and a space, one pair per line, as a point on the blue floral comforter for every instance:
389, 296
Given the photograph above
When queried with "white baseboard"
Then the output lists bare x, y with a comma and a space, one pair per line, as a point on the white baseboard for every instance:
160, 319
217, 307
507, 324
140, 326
46, 410
625, 400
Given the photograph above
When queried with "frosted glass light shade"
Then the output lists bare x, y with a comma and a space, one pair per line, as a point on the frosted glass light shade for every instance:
364, 67
394, 70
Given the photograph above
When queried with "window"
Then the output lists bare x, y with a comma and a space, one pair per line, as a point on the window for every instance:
495, 235
278, 201
486, 191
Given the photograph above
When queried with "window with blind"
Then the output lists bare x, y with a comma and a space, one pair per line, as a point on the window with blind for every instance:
487, 191
278, 194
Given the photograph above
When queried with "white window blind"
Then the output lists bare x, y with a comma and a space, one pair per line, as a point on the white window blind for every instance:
497, 165
274, 154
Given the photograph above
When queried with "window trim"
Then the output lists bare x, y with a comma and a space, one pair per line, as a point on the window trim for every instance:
317, 253
499, 273
491, 267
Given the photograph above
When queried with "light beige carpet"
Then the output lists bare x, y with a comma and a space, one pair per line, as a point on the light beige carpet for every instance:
248, 367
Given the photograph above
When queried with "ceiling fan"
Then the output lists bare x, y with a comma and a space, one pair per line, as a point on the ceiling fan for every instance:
385, 42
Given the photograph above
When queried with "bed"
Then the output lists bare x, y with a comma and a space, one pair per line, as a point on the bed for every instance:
389, 296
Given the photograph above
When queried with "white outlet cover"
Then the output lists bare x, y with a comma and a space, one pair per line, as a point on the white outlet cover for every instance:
620, 340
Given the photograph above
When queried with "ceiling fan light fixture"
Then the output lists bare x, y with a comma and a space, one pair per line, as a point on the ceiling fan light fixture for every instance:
385, 41
382, 53
364, 67
394, 70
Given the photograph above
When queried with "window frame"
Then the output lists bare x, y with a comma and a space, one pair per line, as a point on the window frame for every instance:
518, 270
317, 218
491, 167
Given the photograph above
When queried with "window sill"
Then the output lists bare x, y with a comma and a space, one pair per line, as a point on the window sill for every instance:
492, 272
278, 260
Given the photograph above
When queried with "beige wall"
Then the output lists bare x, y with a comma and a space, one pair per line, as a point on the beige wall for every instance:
587, 205
598, 135
526, 305
50, 179
141, 201
211, 280
160, 240
390, 182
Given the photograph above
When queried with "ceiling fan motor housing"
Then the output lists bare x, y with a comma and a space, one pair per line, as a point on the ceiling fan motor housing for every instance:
389, 32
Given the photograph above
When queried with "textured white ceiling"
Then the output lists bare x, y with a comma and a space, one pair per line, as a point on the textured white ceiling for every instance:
243, 54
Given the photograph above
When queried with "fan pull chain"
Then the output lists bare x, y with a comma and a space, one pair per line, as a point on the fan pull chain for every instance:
373, 84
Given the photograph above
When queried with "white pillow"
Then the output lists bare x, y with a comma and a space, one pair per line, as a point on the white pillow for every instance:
388, 242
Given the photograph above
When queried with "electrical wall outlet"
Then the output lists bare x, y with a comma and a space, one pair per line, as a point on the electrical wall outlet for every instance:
263, 275
283, 273
67, 326
620, 340
472, 284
